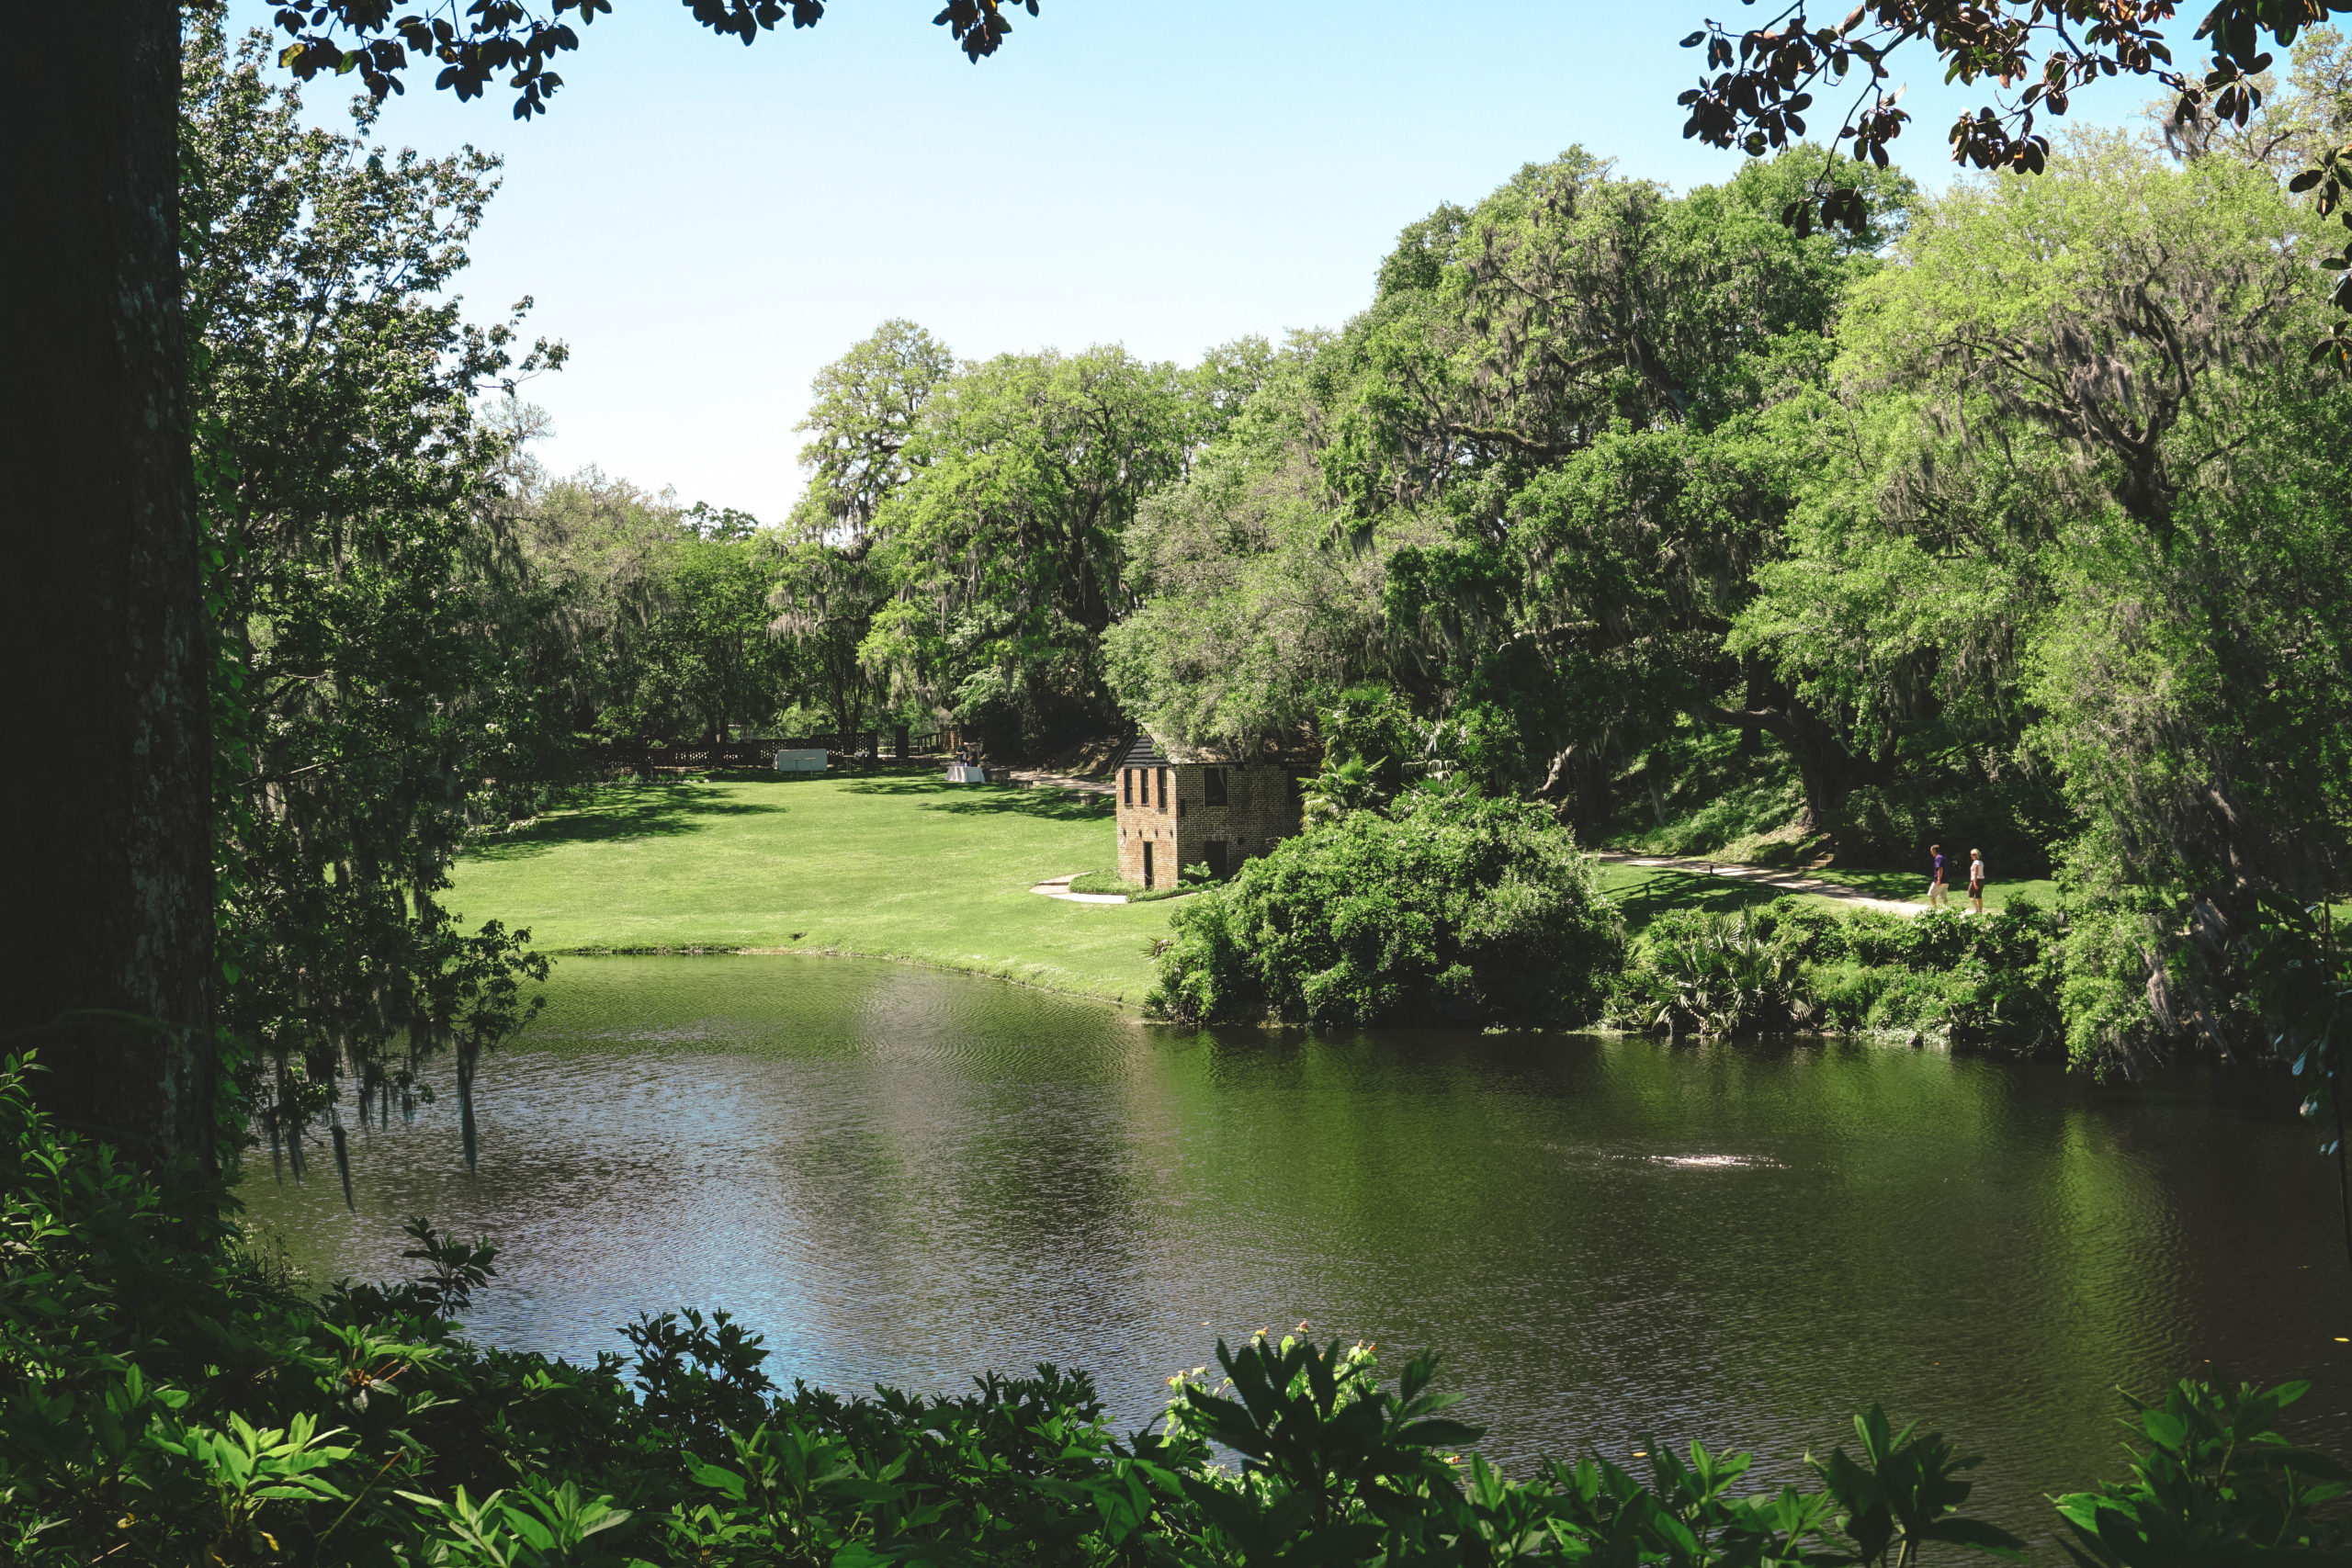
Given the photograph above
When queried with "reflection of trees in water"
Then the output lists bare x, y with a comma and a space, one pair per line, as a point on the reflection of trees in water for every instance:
907, 1177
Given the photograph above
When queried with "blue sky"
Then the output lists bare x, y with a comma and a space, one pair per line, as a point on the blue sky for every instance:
706, 224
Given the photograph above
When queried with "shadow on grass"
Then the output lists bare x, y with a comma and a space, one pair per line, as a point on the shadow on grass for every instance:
1902, 886
1655, 894
615, 813
1056, 804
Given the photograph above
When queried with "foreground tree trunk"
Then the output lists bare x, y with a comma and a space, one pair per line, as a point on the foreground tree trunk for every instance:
108, 786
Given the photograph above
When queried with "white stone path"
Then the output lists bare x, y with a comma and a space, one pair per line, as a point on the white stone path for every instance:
1058, 887
1788, 881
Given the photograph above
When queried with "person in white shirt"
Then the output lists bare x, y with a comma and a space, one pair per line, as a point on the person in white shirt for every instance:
1977, 880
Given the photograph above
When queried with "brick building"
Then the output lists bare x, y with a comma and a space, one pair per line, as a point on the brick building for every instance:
1194, 809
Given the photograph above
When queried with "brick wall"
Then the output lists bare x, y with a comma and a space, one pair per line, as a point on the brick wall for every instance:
1180, 825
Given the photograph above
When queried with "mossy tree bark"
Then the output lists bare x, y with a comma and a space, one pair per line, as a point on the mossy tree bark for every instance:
107, 790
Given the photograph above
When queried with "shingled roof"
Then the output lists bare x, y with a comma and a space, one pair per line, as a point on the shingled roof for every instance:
1150, 751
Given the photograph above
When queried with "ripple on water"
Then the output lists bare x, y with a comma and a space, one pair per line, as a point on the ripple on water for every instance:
904, 1176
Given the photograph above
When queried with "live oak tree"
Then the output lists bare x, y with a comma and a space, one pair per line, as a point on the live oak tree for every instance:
1529, 485
112, 967
864, 412
2034, 55
1003, 551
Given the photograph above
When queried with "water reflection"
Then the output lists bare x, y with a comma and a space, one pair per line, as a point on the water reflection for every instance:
905, 1177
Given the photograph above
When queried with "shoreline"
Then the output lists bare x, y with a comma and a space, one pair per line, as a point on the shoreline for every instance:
1119, 1001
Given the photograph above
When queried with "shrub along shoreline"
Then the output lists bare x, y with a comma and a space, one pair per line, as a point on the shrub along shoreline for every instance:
1439, 907
1449, 907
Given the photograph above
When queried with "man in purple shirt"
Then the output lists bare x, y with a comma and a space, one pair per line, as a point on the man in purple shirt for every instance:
1935, 879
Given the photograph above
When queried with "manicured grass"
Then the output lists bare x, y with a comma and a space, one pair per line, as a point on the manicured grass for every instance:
897, 864
1644, 892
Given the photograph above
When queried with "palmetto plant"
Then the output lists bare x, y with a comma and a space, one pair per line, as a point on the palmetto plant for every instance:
1726, 979
1342, 786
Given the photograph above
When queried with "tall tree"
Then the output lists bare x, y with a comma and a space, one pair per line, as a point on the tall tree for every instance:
865, 409
110, 966
105, 611
1004, 547
375, 628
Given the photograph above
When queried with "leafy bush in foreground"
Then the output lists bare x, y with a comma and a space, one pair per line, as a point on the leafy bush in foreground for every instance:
161, 1401
1449, 907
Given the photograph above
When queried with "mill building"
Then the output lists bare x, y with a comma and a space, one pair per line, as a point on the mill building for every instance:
1181, 807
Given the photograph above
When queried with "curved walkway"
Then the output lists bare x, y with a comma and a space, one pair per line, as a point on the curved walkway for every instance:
1039, 780
1058, 887
1787, 881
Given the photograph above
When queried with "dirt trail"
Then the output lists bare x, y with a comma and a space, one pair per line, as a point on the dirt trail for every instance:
1787, 881
1040, 780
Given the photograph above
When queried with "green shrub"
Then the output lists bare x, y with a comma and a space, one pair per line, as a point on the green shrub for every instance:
2213, 1481
1449, 907
1843, 993
1987, 981
1717, 974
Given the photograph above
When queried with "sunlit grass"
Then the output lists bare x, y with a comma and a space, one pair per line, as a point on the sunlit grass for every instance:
899, 865
902, 866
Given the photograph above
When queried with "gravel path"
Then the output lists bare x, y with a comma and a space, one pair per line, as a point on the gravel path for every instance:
1060, 781
1788, 881
1058, 887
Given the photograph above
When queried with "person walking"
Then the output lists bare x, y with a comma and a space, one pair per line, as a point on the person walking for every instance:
1936, 897
1977, 880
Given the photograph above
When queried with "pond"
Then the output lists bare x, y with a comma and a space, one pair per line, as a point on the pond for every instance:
906, 1177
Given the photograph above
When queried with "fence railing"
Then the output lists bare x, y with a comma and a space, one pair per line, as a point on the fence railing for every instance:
882, 745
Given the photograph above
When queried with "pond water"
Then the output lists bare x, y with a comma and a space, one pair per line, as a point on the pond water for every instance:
906, 1177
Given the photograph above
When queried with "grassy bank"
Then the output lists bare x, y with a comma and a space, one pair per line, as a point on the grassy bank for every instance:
897, 865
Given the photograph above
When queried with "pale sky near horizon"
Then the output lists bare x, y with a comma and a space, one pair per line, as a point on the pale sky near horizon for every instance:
707, 224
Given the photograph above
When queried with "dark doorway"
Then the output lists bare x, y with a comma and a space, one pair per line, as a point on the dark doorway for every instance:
1215, 852
1147, 863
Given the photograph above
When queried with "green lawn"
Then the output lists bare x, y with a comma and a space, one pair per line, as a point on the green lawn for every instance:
898, 866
